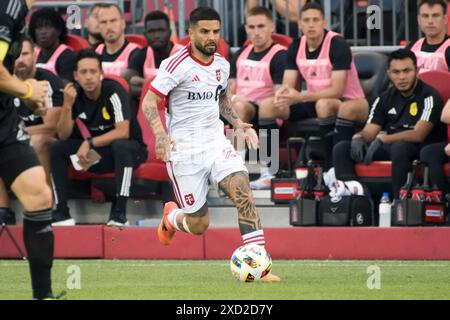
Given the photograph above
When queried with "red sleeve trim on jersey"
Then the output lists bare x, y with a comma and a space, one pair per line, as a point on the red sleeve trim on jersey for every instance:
175, 58
155, 91
179, 60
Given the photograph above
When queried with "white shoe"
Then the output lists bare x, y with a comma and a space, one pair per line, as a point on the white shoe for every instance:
262, 183
112, 223
64, 223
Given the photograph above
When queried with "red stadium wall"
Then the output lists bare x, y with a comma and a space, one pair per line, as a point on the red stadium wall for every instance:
100, 242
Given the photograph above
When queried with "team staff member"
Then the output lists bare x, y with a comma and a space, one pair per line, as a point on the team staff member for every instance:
145, 63
432, 51
408, 112
102, 107
48, 30
116, 51
256, 71
324, 60
19, 166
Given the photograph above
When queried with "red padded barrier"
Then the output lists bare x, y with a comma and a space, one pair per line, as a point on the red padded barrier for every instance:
142, 243
339, 243
70, 242
415, 243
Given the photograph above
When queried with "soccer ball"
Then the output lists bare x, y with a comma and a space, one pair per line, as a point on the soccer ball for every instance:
250, 263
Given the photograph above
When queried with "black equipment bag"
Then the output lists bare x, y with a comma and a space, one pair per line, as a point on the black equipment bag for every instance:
408, 209
303, 210
421, 205
346, 211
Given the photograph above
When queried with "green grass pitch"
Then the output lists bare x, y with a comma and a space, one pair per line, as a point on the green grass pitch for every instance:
103, 279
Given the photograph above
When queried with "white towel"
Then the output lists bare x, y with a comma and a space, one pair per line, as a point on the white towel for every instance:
340, 188
329, 177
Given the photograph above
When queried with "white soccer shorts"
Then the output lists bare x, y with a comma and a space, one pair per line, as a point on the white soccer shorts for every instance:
190, 177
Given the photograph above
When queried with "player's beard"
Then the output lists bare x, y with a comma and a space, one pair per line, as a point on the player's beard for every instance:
410, 88
204, 50
24, 73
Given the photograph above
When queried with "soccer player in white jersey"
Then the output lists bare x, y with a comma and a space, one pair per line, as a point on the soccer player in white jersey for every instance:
195, 147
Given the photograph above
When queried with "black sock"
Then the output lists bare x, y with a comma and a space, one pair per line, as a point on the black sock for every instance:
326, 127
120, 204
344, 130
39, 242
266, 138
62, 206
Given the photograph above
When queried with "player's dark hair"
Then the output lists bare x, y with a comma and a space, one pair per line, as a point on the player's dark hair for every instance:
47, 16
26, 38
402, 54
260, 11
203, 13
88, 53
432, 3
312, 6
156, 15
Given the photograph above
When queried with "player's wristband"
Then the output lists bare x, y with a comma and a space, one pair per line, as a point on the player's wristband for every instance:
30, 91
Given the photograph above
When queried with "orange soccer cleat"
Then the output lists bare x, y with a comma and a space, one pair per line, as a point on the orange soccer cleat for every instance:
166, 231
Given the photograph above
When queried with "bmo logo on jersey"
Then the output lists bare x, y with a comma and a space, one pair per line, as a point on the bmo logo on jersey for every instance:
200, 95
208, 95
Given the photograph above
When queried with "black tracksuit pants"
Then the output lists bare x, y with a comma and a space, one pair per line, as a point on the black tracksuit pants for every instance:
434, 155
119, 157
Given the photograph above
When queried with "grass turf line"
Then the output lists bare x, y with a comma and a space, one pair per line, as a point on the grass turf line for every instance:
151, 279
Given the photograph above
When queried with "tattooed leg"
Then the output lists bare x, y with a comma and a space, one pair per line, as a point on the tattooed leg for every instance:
237, 187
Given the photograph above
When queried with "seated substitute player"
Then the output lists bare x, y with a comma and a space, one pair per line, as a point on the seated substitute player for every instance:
102, 110
92, 26
435, 155
196, 134
408, 112
432, 51
115, 51
145, 63
255, 73
48, 31
40, 129
19, 166
324, 60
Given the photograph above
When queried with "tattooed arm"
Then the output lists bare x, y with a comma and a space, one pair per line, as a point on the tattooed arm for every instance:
226, 110
244, 130
150, 110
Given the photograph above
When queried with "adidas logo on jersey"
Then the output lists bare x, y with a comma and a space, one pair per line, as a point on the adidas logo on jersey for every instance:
83, 116
196, 79
392, 111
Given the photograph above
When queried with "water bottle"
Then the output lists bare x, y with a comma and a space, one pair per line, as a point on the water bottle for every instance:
148, 222
385, 211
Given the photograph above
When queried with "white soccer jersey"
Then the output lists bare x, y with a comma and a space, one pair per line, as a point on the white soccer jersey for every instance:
192, 89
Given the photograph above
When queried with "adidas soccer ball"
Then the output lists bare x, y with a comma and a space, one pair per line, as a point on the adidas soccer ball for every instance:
250, 263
